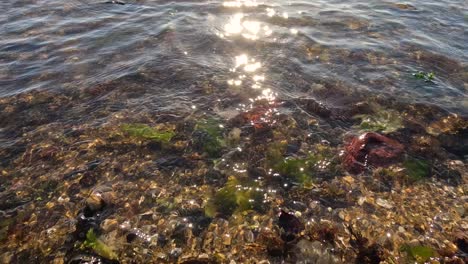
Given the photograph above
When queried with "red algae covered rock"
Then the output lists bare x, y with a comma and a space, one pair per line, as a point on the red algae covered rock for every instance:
370, 149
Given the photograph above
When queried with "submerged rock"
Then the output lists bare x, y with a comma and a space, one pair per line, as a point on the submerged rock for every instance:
371, 149
290, 224
314, 252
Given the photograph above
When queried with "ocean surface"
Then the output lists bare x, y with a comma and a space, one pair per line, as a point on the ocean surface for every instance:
122, 86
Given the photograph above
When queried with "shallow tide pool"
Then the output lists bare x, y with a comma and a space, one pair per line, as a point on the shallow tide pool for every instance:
148, 131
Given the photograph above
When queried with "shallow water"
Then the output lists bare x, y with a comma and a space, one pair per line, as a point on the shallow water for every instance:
287, 77
367, 45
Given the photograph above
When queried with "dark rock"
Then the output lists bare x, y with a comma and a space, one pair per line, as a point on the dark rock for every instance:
85, 258
89, 179
179, 235
215, 177
455, 143
273, 243
162, 240
175, 253
172, 162
131, 237
370, 255
461, 240
451, 176
199, 261
366, 254
290, 224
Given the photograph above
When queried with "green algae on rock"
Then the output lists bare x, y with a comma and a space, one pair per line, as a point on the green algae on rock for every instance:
208, 137
320, 161
149, 133
418, 253
236, 196
99, 247
416, 169
382, 120
426, 76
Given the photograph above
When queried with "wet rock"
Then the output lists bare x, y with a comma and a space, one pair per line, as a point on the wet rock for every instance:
381, 120
417, 169
97, 209
199, 260
290, 224
461, 240
175, 253
455, 143
366, 253
109, 225
89, 179
180, 234
95, 202
260, 115
199, 222
83, 258
159, 134
273, 243
237, 195
314, 252
371, 149
417, 252
172, 162
131, 237
10, 200
404, 6
214, 177
325, 231
207, 141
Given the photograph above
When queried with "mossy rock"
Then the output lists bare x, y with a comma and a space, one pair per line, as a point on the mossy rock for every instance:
303, 169
238, 195
143, 131
420, 254
208, 137
417, 169
94, 243
382, 120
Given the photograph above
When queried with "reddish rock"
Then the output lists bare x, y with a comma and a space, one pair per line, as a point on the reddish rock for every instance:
371, 149
260, 115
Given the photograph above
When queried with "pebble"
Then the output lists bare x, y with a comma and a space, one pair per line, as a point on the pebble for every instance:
176, 252
384, 203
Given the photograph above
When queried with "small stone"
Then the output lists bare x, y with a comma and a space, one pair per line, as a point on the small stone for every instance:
94, 202
384, 203
344, 216
109, 224
361, 200
176, 252
227, 239
161, 256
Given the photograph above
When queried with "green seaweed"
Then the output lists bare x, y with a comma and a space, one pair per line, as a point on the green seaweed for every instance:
420, 254
213, 142
416, 169
303, 169
150, 133
235, 197
428, 77
93, 242
298, 168
385, 121
275, 152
